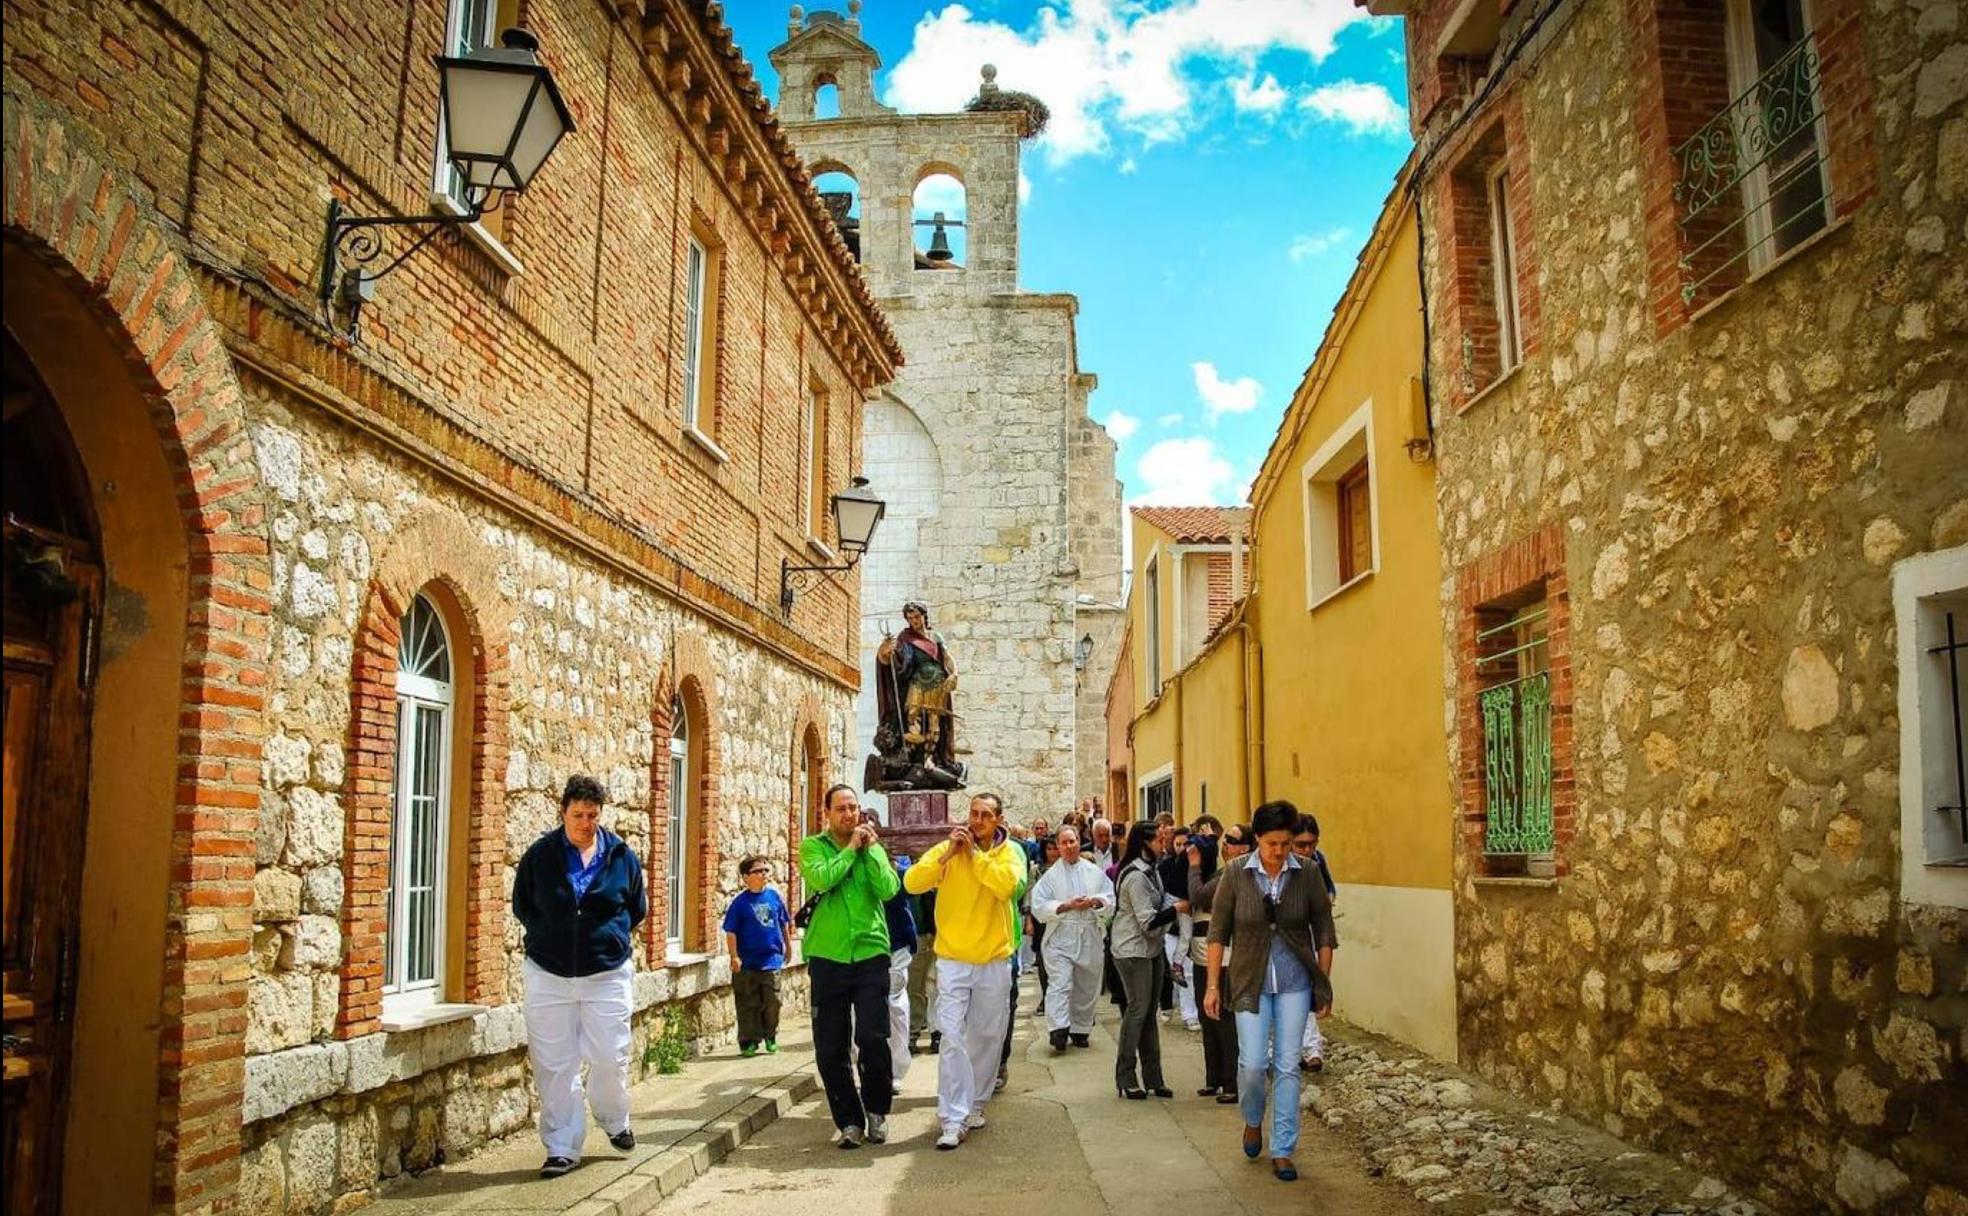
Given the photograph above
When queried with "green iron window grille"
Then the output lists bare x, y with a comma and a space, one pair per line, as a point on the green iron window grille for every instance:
1752, 180
1516, 712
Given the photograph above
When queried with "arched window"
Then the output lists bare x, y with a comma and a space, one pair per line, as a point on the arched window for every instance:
842, 194
940, 217
413, 960
679, 834
826, 98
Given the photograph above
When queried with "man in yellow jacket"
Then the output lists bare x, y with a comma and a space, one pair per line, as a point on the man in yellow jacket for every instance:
975, 874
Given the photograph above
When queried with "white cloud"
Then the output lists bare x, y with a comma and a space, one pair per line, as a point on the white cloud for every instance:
941, 192
1222, 396
1362, 107
1183, 473
1264, 97
1024, 188
1103, 65
1121, 426
1312, 244
1129, 165
1169, 420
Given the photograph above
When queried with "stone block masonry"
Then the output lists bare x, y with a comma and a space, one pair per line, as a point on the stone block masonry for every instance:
1724, 966
507, 439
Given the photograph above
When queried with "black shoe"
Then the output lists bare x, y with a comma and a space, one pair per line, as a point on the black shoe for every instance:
1131, 1093
556, 1166
1208, 1091
915, 1045
1161, 1091
1227, 1098
624, 1139
1082, 1040
1058, 1041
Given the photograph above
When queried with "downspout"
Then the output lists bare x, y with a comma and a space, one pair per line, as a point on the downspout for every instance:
1427, 347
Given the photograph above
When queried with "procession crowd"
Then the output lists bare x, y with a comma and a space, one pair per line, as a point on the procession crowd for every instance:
1230, 927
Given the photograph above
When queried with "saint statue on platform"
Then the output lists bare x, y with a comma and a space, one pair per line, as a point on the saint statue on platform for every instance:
916, 741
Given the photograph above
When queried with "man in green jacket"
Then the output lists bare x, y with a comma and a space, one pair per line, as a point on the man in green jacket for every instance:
846, 951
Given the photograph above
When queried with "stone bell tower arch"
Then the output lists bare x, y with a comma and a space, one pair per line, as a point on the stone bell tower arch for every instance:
995, 399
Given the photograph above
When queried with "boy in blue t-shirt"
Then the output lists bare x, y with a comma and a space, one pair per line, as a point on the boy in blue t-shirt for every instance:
756, 935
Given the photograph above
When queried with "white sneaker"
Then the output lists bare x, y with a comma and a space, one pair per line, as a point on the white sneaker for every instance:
952, 1136
850, 1137
973, 1120
877, 1129
1193, 1025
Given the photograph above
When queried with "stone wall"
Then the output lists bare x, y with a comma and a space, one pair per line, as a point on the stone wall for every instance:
329, 1123
584, 653
1723, 967
990, 406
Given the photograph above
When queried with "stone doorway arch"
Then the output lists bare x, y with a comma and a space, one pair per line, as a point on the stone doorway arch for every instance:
101, 298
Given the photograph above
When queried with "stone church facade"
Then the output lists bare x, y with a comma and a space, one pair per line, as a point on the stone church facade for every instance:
1004, 512
316, 598
1697, 307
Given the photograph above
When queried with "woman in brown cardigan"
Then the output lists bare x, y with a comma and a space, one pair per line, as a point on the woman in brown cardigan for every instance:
1272, 911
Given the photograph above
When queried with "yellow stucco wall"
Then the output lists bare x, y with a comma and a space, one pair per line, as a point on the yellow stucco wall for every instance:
1352, 679
1353, 687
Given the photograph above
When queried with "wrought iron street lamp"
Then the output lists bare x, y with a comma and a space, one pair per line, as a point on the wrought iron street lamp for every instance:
1083, 653
503, 116
857, 512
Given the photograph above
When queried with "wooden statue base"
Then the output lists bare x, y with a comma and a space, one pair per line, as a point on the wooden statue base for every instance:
917, 819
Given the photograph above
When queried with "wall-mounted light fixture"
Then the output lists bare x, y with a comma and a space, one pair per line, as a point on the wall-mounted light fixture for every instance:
503, 116
856, 513
1083, 652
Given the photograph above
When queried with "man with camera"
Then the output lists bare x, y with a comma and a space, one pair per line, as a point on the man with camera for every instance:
847, 965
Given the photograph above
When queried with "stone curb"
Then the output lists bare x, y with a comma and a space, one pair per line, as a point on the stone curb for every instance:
676, 1167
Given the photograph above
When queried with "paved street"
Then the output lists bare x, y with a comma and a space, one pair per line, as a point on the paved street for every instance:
1058, 1141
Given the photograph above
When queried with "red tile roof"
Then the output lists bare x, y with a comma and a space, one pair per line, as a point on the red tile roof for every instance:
1197, 525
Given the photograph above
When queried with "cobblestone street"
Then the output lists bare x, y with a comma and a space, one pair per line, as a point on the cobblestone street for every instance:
1387, 1133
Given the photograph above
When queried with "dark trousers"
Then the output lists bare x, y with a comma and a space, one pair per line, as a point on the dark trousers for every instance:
850, 1008
1141, 1034
1038, 953
1219, 1047
756, 993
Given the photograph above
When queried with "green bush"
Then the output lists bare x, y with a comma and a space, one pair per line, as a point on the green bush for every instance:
670, 1046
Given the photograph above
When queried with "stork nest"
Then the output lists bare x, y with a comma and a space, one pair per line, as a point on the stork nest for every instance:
1034, 114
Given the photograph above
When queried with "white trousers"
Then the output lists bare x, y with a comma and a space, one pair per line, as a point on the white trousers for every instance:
1072, 958
570, 1022
973, 1010
898, 1010
1315, 1043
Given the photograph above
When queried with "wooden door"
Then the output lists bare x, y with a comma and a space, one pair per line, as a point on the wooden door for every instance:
52, 592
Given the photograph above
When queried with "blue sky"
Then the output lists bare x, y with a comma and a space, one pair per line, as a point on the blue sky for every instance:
1210, 173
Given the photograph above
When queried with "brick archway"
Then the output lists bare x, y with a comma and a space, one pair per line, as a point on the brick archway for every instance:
425, 557
808, 743
100, 233
690, 677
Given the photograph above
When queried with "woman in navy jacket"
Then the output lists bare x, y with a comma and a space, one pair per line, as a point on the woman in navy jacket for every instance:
579, 892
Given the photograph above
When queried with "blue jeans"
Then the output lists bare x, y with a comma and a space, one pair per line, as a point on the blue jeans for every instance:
1269, 1040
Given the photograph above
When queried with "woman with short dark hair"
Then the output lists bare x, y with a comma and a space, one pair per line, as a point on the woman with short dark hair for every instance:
579, 892
1274, 914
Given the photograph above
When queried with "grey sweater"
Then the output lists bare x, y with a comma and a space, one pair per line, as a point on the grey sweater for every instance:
1238, 920
1138, 895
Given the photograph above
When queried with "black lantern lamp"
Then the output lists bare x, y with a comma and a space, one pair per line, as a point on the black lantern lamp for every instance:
1083, 652
857, 512
503, 116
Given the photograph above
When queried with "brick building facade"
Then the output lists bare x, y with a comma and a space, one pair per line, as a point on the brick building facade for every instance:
1697, 305
427, 573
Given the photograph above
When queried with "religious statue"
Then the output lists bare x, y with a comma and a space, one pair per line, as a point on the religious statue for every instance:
916, 741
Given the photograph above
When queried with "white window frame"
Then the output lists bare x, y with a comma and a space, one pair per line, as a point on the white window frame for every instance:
810, 518
1926, 758
444, 179
677, 871
416, 694
1740, 44
696, 275
1151, 578
1149, 780
1318, 480
1503, 268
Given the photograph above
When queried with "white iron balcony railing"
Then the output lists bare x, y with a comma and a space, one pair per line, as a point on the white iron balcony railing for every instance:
1753, 185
